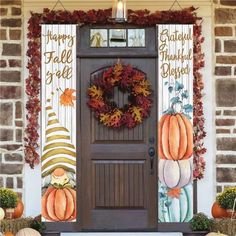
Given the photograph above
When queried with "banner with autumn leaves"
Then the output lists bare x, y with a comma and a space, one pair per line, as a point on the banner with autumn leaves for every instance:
58, 122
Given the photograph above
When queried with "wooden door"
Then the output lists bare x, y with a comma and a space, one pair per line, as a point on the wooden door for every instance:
118, 188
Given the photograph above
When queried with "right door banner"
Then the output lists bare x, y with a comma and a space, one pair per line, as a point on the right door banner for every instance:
175, 125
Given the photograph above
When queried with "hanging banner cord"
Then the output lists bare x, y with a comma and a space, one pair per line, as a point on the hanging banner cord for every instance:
175, 2
58, 2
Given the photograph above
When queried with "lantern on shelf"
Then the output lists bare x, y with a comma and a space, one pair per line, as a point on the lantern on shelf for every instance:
119, 13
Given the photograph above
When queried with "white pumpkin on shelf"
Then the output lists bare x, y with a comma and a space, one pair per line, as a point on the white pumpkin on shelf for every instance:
216, 234
27, 232
2, 214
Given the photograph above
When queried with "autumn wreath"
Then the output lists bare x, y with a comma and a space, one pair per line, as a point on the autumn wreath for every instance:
127, 79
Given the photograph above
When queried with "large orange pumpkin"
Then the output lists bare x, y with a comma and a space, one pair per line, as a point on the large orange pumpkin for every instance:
59, 204
217, 211
175, 137
18, 211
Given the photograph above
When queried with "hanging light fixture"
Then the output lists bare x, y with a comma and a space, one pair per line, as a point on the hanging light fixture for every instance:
119, 13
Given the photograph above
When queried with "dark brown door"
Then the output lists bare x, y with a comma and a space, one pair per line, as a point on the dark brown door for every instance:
118, 189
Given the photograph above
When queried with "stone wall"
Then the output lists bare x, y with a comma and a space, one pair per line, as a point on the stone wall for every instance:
11, 95
225, 75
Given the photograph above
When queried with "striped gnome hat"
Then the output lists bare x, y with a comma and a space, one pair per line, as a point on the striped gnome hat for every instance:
58, 150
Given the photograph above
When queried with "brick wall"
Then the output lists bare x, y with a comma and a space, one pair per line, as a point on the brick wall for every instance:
225, 75
11, 95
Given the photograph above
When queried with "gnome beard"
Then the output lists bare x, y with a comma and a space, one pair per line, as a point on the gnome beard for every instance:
59, 177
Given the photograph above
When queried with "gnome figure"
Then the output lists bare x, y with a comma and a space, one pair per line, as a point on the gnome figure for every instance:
59, 154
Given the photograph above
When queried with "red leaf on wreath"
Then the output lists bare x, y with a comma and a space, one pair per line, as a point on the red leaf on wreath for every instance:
108, 73
96, 103
125, 84
128, 120
144, 102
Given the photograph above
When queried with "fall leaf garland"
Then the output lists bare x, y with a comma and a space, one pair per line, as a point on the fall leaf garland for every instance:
127, 79
138, 17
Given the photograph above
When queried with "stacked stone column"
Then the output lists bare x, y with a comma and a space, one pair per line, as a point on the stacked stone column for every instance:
11, 95
225, 81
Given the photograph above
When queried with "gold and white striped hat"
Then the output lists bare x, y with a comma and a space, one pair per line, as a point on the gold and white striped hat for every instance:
58, 150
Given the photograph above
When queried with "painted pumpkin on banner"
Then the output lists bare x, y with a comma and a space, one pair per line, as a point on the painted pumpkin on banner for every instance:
28, 232
175, 137
175, 174
59, 204
175, 209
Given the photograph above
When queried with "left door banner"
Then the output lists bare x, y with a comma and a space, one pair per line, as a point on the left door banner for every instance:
58, 122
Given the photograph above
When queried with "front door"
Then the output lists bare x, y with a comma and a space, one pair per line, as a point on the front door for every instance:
118, 187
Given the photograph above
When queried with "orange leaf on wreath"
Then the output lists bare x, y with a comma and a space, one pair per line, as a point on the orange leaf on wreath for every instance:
137, 113
105, 119
118, 69
144, 83
174, 193
141, 90
116, 117
138, 76
95, 92
67, 97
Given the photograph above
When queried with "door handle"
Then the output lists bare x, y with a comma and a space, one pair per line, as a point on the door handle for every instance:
151, 153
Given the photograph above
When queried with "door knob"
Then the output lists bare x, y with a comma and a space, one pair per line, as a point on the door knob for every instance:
151, 152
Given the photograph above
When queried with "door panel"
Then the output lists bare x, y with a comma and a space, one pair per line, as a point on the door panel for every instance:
119, 184
118, 190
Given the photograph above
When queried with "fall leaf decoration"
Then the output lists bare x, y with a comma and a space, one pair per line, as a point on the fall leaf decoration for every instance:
136, 113
174, 192
67, 98
127, 79
95, 92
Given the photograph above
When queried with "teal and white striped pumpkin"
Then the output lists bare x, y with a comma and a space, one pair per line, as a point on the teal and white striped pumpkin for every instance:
175, 209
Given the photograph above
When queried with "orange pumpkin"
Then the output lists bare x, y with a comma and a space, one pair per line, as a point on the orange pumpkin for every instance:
8, 234
217, 211
59, 204
175, 137
18, 211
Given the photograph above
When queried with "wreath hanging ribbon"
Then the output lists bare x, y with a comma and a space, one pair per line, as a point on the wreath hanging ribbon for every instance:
128, 80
